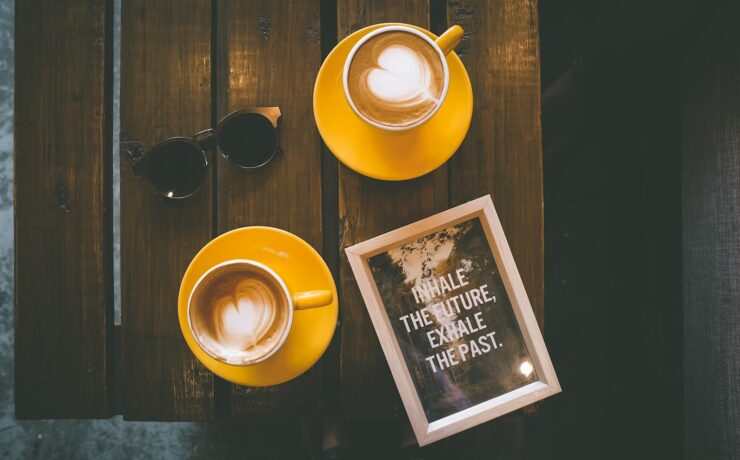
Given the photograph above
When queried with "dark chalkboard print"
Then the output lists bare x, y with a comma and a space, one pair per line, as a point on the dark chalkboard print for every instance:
453, 319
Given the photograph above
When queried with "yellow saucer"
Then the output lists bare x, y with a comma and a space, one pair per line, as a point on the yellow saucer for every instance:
384, 154
302, 269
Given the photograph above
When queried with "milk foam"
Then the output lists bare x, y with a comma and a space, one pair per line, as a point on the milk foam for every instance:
396, 78
402, 77
244, 317
239, 316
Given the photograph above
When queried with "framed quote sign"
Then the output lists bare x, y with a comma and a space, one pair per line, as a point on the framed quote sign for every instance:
454, 320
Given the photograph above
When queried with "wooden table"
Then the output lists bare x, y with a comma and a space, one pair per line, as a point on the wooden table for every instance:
184, 66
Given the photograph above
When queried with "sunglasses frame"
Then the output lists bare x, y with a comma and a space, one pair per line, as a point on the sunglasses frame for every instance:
205, 140
272, 114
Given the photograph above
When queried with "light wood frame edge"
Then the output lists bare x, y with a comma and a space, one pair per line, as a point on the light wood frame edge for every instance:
548, 383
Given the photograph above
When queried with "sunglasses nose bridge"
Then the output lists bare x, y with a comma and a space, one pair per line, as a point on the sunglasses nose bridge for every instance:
205, 138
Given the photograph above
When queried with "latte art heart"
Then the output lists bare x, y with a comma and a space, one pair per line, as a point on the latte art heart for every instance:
240, 315
244, 317
396, 79
401, 78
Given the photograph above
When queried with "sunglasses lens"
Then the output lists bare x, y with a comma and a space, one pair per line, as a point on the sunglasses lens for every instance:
248, 139
177, 168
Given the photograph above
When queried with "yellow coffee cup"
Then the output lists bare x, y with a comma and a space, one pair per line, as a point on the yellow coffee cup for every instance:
396, 77
240, 311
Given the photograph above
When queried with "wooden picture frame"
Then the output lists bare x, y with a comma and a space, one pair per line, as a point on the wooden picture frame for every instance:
421, 410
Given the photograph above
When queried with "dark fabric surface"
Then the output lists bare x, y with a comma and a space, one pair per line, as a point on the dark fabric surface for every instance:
711, 242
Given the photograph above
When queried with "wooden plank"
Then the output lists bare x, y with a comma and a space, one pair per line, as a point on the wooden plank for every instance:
165, 91
502, 154
613, 233
274, 53
330, 376
644, 254
63, 255
367, 208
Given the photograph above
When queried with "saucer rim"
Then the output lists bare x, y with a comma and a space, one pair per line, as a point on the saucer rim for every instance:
230, 372
392, 176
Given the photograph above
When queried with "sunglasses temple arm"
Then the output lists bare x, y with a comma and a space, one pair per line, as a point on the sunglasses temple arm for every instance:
136, 155
274, 114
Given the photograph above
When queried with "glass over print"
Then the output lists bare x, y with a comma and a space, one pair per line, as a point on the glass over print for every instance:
453, 319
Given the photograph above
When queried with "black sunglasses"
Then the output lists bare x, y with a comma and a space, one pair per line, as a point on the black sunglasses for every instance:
176, 167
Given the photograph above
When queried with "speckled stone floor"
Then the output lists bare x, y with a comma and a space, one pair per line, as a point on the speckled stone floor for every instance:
111, 438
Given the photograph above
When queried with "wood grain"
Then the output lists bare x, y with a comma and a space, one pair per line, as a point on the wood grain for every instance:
502, 154
165, 91
63, 253
367, 208
274, 54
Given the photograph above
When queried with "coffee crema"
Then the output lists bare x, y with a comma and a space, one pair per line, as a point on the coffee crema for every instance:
396, 79
239, 315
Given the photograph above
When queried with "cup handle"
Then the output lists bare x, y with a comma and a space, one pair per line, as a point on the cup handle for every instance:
312, 299
449, 40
